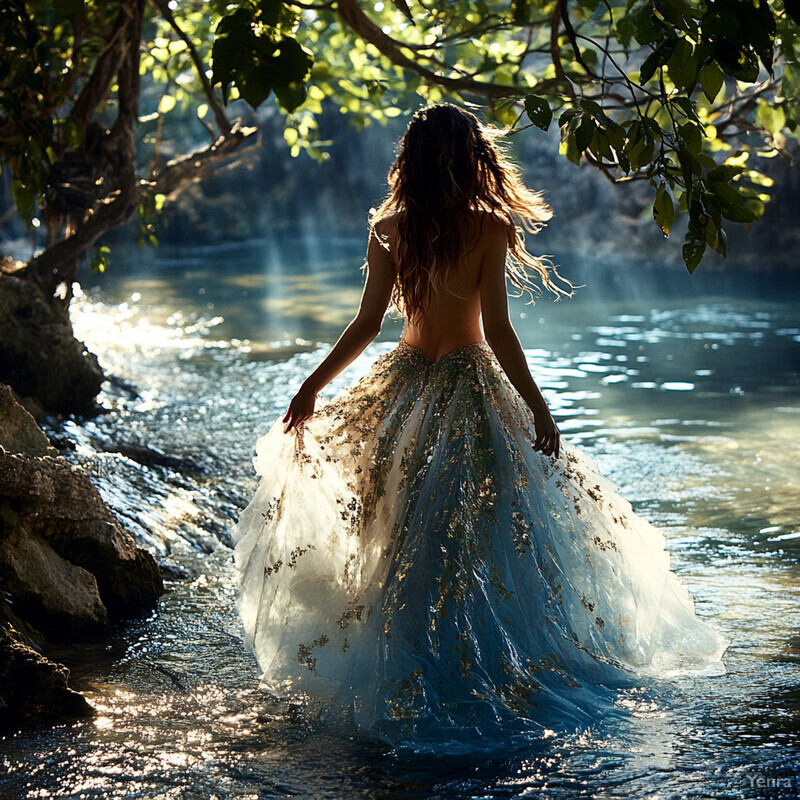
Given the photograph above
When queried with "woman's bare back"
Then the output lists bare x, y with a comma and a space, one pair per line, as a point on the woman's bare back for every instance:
453, 313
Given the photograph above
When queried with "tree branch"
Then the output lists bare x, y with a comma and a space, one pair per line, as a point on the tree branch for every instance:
555, 53
573, 39
213, 103
105, 70
185, 170
352, 15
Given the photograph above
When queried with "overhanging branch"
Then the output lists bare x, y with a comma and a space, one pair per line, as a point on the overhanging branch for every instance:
185, 170
352, 15
213, 103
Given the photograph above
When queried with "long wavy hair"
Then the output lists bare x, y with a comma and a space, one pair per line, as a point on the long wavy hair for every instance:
450, 167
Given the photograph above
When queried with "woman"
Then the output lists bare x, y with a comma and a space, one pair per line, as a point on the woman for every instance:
423, 550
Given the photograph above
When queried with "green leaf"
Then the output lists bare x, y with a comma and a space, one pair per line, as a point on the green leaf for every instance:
538, 111
99, 262
687, 107
254, 86
597, 112
601, 147
567, 117
584, 132
712, 207
725, 172
232, 43
24, 200
690, 167
570, 149
736, 206
693, 249
721, 244
737, 61
682, 65
663, 209
711, 79
656, 59
692, 136
644, 26
677, 12
770, 117
292, 64
166, 104
716, 237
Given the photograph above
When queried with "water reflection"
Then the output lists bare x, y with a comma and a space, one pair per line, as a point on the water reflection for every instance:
690, 407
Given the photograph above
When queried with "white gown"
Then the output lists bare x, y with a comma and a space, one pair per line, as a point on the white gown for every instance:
409, 556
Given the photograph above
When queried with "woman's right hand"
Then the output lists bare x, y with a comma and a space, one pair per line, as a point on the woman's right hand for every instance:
300, 409
548, 437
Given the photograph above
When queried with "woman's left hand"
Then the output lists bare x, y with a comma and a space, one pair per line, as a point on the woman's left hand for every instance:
300, 408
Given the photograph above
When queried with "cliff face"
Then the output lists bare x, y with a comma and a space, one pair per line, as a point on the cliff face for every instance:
67, 568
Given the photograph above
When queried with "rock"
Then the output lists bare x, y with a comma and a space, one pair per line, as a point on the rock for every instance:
57, 502
19, 432
24, 631
39, 356
32, 686
67, 566
128, 577
58, 597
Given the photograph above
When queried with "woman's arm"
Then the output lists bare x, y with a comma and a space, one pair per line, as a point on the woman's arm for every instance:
502, 338
364, 327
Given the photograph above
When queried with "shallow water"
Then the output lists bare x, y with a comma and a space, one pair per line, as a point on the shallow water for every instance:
692, 406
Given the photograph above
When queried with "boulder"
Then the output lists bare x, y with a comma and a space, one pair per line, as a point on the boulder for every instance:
18, 431
39, 355
32, 686
67, 567
55, 501
58, 597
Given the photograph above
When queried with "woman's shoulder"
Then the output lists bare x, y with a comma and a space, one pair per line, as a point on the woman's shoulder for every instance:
492, 228
386, 225
493, 220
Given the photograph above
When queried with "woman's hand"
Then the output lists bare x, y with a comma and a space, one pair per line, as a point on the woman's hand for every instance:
548, 437
300, 408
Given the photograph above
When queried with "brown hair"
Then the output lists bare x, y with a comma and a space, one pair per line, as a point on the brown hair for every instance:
448, 167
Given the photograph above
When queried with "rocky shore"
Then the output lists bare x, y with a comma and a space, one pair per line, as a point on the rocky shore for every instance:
67, 568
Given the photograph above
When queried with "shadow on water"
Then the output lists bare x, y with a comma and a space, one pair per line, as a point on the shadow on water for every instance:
690, 402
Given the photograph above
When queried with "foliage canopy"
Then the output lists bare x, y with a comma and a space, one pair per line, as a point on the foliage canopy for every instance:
682, 94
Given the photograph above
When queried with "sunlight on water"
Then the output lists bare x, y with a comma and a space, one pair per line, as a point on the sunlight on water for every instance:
691, 407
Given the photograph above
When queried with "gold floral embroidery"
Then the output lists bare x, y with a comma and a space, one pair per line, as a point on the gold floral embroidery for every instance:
457, 459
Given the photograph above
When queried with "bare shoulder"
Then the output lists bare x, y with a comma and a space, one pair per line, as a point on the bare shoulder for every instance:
386, 227
493, 230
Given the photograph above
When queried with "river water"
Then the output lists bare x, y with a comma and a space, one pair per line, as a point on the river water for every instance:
689, 400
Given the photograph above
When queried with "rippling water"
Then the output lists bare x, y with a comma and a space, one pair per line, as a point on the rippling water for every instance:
692, 406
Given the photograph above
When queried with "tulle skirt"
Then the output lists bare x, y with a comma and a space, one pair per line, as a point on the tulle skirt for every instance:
410, 559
